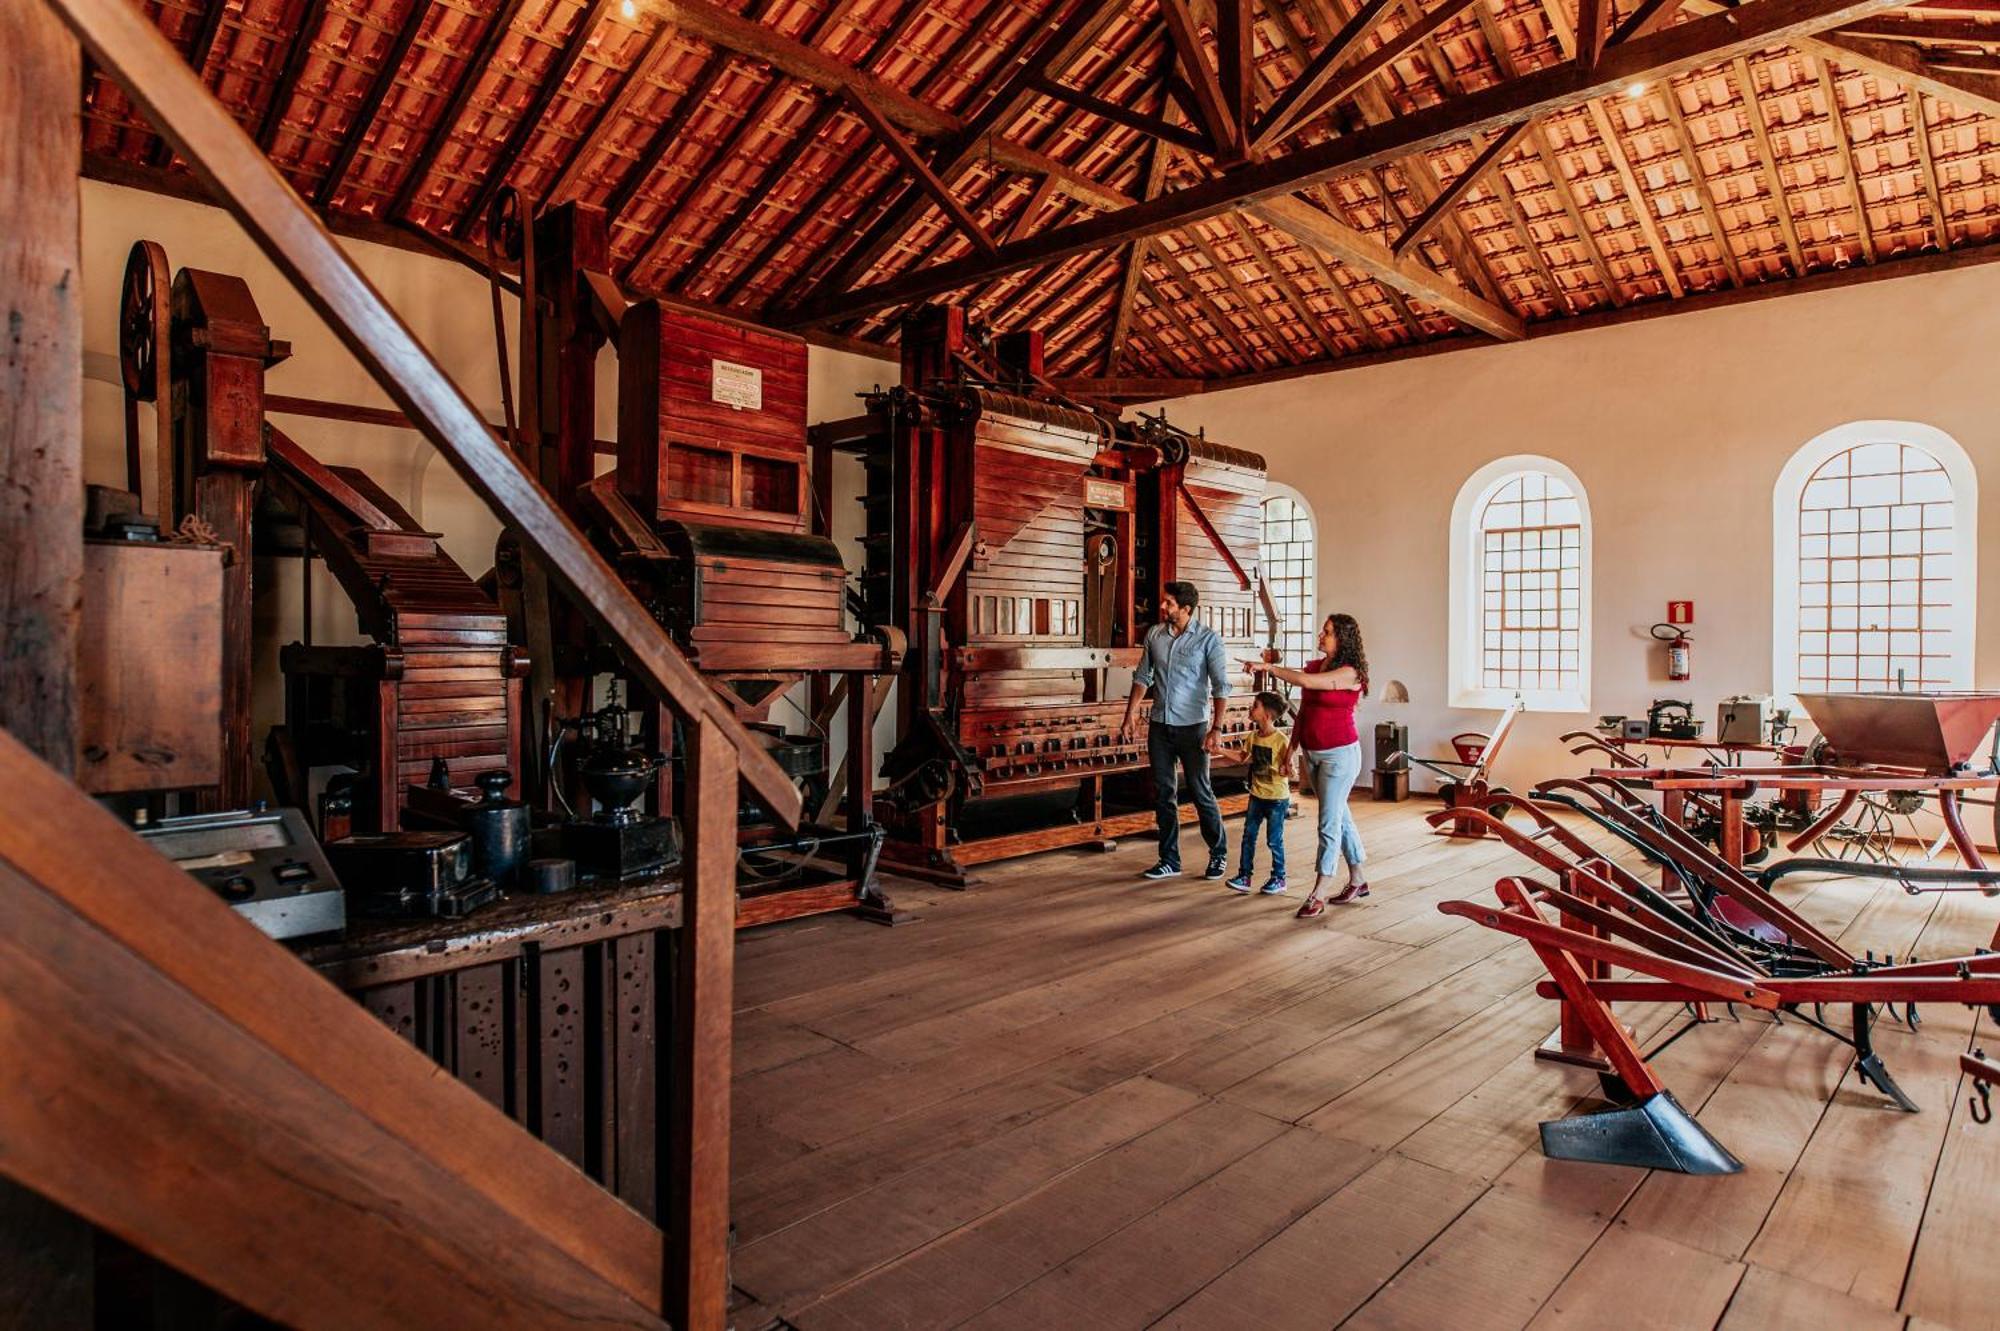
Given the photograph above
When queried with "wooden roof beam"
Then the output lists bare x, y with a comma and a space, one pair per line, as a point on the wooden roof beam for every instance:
1135, 263
1311, 225
1920, 132
1208, 97
476, 63
1691, 159
1648, 17
1704, 41
1753, 110
1350, 77
310, 22
371, 104
504, 161
1319, 71
1836, 116
1151, 126
1454, 194
1235, 43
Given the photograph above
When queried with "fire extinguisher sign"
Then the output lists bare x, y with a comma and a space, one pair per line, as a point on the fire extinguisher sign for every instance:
1680, 612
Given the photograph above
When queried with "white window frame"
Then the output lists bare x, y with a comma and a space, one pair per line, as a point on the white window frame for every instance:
1279, 490
1468, 688
1785, 497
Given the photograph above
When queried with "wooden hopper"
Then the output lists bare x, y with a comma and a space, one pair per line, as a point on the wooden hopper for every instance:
1933, 732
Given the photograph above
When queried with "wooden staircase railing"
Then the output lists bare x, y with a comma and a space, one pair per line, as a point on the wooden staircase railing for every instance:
189, 1085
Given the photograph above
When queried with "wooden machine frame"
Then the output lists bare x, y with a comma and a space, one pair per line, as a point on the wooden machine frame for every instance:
1017, 538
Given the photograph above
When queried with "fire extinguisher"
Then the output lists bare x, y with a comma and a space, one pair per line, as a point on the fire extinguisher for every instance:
1680, 650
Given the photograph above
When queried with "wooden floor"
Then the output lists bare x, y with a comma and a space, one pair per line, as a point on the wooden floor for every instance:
1069, 1098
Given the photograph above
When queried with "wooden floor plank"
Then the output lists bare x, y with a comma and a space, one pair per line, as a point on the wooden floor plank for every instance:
1766, 1300
1337, 1255
1133, 1277
1061, 1101
1632, 1279
791, 1266
973, 1268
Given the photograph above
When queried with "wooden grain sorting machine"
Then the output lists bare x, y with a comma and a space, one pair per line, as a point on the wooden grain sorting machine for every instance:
1712, 934
1018, 540
712, 519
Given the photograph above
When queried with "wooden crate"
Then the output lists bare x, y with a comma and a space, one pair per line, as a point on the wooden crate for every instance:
149, 667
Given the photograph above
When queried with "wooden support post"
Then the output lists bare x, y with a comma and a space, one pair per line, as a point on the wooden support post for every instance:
1572, 1042
41, 383
696, 1152
45, 1253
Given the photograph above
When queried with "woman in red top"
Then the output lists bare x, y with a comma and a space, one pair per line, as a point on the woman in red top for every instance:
1325, 734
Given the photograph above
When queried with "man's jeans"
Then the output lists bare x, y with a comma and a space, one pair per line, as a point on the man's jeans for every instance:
1166, 745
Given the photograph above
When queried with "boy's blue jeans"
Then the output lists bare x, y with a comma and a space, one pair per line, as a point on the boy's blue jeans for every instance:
1269, 815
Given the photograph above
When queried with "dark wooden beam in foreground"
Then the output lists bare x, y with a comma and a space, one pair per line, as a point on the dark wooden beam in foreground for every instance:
1710, 40
45, 1251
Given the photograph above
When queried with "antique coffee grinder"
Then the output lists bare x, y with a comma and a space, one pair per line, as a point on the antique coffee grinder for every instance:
617, 840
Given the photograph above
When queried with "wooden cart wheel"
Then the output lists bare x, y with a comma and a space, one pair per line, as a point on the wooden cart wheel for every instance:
143, 322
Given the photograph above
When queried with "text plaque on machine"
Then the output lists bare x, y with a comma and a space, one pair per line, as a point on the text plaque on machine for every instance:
1098, 493
738, 386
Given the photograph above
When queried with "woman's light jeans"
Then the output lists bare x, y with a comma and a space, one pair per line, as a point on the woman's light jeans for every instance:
1334, 772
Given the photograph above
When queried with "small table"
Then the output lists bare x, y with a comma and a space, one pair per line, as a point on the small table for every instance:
1729, 787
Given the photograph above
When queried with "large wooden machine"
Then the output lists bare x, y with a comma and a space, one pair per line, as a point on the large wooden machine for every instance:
1019, 540
711, 518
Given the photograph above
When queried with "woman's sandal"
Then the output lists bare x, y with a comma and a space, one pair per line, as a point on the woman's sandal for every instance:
1352, 892
1311, 910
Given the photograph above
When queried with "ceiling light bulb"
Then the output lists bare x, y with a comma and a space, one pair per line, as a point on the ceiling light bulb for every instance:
1635, 90
629, 10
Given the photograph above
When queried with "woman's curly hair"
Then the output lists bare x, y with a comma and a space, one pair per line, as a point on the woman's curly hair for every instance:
1347, 648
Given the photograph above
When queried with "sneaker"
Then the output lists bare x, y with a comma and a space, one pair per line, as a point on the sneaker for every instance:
1162, 870
1240, 883
1217, 868
1274, 886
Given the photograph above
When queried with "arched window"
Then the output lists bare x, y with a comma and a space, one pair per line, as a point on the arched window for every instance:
1520, 588
1875, 525
1288, 557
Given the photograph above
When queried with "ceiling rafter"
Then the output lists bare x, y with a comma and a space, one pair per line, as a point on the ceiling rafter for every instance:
963, 142
1703, 41
1294, 295
311, 21
530, 118
613, 110
1209, 100
719, 158
363, 118
1559, 185
1273, 328
1637, 200
474, 69
1836, 120
1451, 196
1704, 195
1343, 83
1920, 134
1781, 206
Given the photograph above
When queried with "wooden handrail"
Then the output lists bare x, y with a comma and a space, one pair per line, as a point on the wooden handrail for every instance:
126, 44
185, 1082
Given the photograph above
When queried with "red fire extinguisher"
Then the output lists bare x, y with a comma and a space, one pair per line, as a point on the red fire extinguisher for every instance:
1680, 650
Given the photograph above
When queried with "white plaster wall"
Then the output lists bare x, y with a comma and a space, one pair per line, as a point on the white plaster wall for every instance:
450, 310
1678, 428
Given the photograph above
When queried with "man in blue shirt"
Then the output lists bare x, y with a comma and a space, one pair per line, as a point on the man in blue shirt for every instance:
1184, 665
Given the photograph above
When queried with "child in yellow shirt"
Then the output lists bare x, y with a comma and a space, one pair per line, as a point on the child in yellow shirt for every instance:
1270, 793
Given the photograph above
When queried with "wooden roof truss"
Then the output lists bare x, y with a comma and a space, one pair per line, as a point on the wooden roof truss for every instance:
1179, 192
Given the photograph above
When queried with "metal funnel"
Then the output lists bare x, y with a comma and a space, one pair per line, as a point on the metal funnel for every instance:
1934, 732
